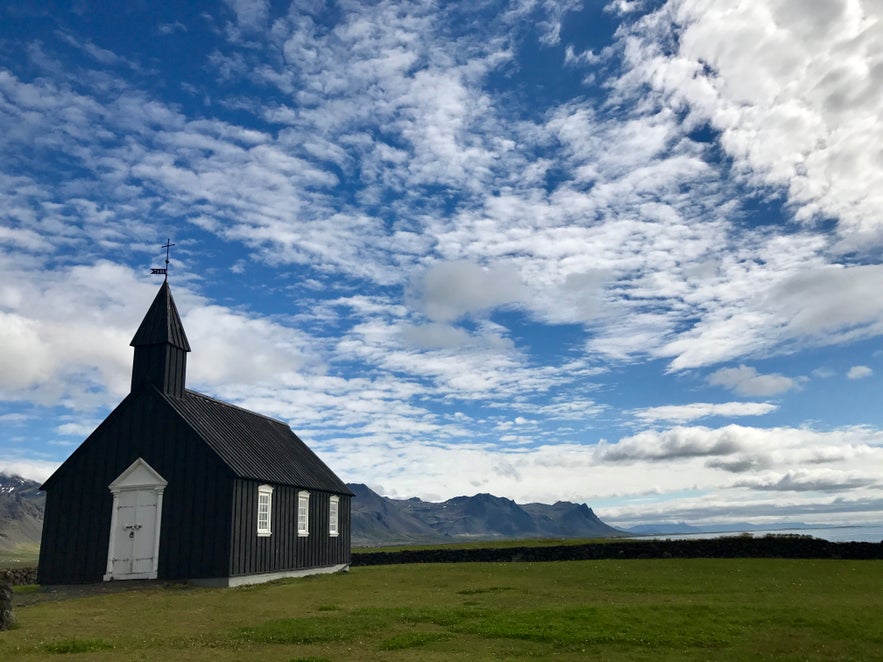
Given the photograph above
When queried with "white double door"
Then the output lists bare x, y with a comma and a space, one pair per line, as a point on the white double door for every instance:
133, 548
135, 538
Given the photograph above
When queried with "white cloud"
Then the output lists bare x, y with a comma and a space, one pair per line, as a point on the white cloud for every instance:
251, 15
677, 443
737, 448
450, 290
69, 332
797, 109
37, 470
745, 380
232, 347
859, 372
67, 337
809, 480
831, 301
697, 410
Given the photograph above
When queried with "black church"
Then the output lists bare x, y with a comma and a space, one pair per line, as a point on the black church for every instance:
174, 484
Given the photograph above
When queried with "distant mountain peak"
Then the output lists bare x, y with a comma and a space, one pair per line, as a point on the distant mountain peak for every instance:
10, 483
21, 512
378, 520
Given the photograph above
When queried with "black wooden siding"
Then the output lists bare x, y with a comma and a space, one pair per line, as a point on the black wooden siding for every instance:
285, 549
162, 366
196, 515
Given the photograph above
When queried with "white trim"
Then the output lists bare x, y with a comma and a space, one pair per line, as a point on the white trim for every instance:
267, 491
334, 516
303, 527
246, 580
139, 476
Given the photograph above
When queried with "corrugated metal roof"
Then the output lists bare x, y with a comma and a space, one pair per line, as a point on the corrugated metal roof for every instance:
255, 446
162, 324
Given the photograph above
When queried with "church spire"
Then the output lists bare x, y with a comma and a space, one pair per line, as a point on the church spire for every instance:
161, 347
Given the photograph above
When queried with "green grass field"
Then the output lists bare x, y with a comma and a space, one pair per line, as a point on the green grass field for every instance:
698, 609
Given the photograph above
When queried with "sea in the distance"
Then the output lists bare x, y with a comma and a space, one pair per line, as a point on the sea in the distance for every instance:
871, 533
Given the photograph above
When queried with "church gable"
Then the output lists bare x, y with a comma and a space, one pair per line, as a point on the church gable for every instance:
139, 474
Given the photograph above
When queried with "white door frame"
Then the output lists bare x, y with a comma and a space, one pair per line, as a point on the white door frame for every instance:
140, 476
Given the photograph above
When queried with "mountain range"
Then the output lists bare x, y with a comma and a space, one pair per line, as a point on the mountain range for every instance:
379, 520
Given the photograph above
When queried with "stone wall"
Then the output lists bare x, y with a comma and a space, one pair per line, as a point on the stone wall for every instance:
18, 576
785, 547
734, 547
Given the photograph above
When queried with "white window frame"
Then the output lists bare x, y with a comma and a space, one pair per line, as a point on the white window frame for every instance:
265, 528
333, 516
303, 513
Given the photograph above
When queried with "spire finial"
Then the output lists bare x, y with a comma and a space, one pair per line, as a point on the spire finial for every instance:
165, 271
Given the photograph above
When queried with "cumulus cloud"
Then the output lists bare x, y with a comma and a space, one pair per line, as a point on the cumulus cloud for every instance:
677, 443
834, 301
745, 380
239, 348
70, 334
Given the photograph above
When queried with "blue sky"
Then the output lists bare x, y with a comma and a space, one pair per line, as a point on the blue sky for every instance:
623, 253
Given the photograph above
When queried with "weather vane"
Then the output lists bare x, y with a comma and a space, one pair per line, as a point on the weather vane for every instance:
165, 271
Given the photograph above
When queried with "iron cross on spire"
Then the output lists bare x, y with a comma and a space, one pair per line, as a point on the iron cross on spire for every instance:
165, 271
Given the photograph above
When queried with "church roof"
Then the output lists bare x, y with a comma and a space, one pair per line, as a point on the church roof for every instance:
162, 324
254, 446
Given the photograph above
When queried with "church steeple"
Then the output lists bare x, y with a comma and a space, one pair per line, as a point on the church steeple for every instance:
161, 347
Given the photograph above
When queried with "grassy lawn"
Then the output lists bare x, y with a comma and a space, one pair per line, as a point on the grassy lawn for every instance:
616, 610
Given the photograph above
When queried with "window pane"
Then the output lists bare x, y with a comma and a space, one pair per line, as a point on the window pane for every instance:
265, 500
332, 516
303, 513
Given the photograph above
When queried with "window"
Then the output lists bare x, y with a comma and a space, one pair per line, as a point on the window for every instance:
303, 513
265, 509
333, 504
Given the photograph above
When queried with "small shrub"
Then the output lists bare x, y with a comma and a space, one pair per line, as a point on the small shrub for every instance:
489, 589
71, 646
412, 640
